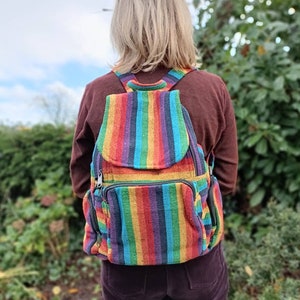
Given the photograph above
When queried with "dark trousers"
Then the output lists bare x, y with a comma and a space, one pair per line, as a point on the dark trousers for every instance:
203, 278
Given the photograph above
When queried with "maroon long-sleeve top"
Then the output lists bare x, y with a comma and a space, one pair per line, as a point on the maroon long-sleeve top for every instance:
205, 97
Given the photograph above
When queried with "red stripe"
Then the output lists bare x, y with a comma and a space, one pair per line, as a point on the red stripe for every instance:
119, 132
157, 132
149, 224
140, 197
188, 229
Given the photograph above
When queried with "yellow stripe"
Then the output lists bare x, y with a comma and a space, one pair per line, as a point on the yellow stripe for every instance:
153, 177
110, 127
136, 226
182, 222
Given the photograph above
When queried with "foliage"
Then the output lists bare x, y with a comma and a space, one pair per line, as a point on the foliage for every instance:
37, 230
28, 154
41, 255
254, 46
37, 207
266, 264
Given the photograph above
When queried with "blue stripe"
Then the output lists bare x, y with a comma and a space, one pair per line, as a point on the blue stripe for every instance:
132, 128
175, 125
168, 221
126, 248
176, 74
115, 232
139, 131
169, 139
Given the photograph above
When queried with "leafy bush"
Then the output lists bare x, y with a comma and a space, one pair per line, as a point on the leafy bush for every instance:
37, 234
37, 206
28, 154
254, 47
264, 259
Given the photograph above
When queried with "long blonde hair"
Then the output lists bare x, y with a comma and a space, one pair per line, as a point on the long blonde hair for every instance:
152, 33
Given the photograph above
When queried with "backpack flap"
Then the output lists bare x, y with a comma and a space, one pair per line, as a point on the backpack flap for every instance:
143, 129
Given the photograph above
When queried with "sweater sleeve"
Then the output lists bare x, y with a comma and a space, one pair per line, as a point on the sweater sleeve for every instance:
226, 149
83, 143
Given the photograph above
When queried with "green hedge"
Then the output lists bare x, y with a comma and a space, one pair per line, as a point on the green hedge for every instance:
28, 154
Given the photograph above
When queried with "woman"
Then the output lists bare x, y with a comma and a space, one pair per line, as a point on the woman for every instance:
152, 37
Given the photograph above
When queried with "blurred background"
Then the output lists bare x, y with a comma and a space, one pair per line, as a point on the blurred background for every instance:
50, 50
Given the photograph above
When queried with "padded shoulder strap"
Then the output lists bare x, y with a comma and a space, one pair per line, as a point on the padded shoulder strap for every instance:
171, 79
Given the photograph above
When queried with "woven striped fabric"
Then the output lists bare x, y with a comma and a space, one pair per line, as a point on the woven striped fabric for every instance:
153, 199
143, 130
152, 225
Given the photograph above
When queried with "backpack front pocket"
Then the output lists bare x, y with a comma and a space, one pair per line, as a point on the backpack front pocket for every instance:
153, 223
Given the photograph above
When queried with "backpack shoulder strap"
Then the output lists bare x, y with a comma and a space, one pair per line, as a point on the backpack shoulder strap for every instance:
171, 79
125, 78
175, 75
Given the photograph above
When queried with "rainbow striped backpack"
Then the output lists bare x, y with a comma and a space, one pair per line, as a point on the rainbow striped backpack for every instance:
153, 199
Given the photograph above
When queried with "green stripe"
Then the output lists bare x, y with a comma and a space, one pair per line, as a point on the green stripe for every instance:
175, 222
145, 116
138, 130
130, 255
182, 129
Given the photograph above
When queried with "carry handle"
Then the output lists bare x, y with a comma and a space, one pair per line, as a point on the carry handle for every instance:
171, 79
137, 86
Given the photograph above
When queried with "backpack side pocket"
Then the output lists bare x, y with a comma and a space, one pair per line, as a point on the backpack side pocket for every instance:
215, 204
95, 232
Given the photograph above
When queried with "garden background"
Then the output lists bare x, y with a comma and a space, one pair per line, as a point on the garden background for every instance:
254, 45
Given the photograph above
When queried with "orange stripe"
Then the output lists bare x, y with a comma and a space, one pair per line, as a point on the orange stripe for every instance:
148, 223
119, 132
109, 132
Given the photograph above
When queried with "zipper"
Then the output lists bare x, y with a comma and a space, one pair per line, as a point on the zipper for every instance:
97, 169
122, 184
99, 180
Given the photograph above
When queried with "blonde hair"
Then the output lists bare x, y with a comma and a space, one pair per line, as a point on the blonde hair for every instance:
152, 33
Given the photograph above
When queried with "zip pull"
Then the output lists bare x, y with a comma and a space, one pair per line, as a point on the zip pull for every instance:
99, 180
210, 168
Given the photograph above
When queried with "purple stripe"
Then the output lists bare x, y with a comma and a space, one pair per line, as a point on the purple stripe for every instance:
168, 80
126, 146
115, 231
125, 78
155, 224
169, 128
162, 224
